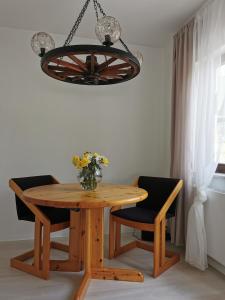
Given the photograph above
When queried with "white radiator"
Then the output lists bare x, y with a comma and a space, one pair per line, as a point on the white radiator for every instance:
215, 222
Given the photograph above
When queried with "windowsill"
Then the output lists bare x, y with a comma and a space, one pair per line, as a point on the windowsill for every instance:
219, 175
218, 183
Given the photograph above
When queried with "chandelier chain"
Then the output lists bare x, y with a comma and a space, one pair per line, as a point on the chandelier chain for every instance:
96, 9
124, 45
100, 8
76, 24
97, 4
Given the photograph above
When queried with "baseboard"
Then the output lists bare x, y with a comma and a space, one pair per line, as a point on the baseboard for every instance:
216, 265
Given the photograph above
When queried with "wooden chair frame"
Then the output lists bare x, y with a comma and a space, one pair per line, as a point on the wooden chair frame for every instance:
42, 244
163, 259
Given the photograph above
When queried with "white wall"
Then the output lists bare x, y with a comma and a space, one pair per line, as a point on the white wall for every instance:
43, 122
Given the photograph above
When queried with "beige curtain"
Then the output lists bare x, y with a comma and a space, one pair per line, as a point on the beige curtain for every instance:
181, 91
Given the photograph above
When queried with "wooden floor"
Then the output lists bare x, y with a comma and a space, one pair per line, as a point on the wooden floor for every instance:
181, 282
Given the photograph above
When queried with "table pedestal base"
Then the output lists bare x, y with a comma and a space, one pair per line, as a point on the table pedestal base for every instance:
92, 247
107, 274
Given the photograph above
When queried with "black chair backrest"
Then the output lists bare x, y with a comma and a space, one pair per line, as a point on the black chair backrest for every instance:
24, 183
159, 189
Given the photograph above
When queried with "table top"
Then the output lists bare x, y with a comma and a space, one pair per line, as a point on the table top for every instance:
72, 195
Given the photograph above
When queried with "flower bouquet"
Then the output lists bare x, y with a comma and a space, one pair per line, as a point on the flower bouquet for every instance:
90, 169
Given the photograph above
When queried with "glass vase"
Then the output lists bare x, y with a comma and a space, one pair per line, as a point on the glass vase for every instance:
89, 179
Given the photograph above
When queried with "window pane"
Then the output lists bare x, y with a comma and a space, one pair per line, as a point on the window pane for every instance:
220, 93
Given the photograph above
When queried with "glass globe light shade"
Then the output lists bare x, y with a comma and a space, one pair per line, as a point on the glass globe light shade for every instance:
138, 55
108, 30
41, 43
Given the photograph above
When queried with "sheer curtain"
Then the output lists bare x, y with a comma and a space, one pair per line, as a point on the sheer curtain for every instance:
197, 100
209, 42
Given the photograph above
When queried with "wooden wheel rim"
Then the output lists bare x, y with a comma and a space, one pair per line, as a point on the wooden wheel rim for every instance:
91, 72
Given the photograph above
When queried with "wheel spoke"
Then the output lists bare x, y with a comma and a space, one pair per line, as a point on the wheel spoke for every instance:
106, 63
81, 64
64, 63
119, 66
115, 72
69, 73
58, 68
112, 77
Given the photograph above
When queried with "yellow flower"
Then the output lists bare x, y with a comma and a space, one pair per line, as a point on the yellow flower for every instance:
96, 155
105, 161
84, 162
76, 161
89, 157
86, 154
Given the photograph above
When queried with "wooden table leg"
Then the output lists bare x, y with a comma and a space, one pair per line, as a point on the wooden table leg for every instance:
80, 293
76, 238
94, 255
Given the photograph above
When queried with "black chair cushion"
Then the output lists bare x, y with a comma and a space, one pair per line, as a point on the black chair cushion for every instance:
138, 214
159, 189
56, 215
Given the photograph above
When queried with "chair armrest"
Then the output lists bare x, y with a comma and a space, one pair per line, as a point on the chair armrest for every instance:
35, 210
162, 213
135, 182
55, 180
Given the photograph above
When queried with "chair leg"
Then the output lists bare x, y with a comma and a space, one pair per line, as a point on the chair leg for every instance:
156, 253
162, 242
163, 259
37, 244
46, 251
118, 237
19, 262
111, 237
40, 254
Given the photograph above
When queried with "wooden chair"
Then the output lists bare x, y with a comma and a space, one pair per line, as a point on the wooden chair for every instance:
47, 220
148, 215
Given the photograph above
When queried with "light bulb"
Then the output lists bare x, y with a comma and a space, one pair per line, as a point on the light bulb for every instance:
41, 43
108, 30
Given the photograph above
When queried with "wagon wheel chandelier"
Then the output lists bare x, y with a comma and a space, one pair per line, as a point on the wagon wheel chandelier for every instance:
89, 64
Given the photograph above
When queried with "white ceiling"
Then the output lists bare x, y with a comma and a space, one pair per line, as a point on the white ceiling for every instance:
144, 22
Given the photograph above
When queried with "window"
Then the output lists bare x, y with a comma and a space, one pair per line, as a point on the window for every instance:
220, 93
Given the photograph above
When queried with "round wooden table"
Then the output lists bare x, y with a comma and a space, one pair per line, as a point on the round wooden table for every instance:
86, 249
